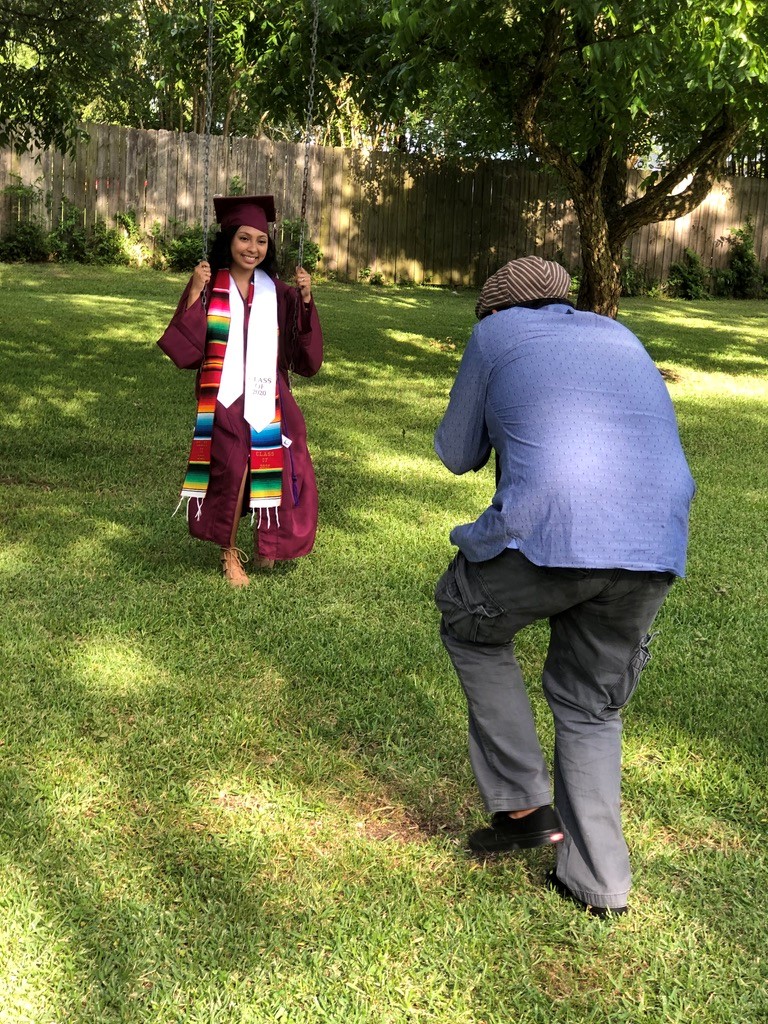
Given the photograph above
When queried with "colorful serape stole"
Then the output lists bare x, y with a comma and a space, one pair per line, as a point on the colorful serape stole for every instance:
267, 462
199, 466
266, 456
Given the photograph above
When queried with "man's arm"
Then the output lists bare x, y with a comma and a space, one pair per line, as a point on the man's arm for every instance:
461, 440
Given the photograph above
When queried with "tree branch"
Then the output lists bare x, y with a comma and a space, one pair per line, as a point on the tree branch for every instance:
703, 165
537, 82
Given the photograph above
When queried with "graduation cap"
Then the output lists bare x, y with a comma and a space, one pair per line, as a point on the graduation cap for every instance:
244, 211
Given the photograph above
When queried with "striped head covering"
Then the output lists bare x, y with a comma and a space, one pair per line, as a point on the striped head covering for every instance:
523, 280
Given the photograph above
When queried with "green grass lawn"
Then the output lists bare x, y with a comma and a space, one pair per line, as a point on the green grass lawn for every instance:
249, 806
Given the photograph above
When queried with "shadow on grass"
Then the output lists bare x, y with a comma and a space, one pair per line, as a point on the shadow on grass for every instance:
238, 781
182, 823
721, 337
104, 537
109, 443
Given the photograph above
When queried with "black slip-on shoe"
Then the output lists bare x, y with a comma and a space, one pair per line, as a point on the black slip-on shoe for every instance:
553, 882
538, 828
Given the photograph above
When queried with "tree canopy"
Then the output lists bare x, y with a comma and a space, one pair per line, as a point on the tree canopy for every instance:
257, 63
143, 64
51, 55
587, 87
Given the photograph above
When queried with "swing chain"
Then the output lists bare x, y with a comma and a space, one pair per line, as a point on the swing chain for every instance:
208, 126
308, 129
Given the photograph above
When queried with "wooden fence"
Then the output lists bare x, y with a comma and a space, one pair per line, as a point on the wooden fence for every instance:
409, 219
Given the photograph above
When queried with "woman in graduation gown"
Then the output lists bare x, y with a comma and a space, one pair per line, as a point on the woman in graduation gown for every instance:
243, 330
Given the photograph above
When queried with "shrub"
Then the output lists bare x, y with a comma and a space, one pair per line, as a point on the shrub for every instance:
688, 278
127, 221
186, 250
25, 199
26, 243
746, 277
155, 254
106, 247
68, 242
289, 253
722, 283
140, 249
634, 278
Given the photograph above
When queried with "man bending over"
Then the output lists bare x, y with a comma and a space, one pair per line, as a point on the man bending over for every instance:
588, 529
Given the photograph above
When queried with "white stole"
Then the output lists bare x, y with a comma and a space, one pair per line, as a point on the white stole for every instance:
255, 372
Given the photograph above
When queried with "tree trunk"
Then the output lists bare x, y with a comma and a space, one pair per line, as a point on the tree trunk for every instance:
600, 284
232, 98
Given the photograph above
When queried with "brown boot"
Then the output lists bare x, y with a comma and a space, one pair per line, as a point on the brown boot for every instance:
260, 561
232, 560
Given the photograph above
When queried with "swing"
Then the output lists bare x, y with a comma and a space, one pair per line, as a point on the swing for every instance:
209, 122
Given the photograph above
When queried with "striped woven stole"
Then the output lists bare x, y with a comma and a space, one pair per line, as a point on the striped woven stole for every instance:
267, 462
266, 455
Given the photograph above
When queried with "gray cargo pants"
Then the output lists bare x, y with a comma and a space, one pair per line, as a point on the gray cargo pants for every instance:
599, 621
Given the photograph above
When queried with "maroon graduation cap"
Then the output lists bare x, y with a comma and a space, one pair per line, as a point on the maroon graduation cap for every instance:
245, 211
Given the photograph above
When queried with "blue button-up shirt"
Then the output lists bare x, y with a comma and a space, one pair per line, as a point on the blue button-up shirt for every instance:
592, 473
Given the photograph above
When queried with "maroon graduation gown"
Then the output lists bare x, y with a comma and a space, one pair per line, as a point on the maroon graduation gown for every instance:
184, 342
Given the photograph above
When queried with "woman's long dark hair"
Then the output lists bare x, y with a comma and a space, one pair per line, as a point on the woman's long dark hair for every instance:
221, 253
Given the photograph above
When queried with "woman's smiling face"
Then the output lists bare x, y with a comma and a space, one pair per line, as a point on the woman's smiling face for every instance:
248, 248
